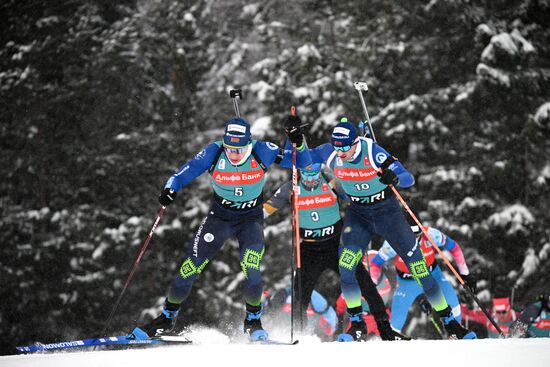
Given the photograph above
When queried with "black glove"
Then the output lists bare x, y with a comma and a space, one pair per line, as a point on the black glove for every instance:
470, 281
293, 130
388, 177
167, 196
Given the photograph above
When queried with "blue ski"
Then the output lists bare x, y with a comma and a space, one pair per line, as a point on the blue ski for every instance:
92, 342
275, 342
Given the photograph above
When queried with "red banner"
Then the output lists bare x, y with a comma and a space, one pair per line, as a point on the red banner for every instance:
315, 202
355, 174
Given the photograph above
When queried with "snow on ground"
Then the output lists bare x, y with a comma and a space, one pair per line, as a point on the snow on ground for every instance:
218, 352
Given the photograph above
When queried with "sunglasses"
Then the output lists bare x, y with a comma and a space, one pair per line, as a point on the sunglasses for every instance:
229, 150
344, 149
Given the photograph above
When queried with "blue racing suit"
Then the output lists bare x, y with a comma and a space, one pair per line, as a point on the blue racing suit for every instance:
374, 209
235, 212
408, 289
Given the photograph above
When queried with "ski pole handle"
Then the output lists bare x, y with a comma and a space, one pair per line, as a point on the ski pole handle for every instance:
360, 87
234, 93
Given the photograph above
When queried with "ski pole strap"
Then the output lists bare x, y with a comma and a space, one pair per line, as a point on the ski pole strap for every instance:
388, 162
216, 158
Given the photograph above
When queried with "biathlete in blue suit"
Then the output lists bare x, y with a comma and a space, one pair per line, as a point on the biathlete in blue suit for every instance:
236, 166
407, 289
365, 171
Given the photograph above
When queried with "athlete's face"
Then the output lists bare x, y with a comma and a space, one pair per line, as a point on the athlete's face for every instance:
344, 154
310, 179
500, 315
235, 155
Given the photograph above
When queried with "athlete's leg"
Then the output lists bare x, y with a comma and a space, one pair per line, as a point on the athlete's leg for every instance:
406, 292
370, 293
251, 245
390, 223
449, 292
208, 240
354, 240
312, 266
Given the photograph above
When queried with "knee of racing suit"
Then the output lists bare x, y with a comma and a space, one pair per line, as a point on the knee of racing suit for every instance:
183, 282
349, 257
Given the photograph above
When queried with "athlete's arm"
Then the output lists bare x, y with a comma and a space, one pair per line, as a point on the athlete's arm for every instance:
321, 153
193, 169
279, 200
283, 157
380, 155
454, 248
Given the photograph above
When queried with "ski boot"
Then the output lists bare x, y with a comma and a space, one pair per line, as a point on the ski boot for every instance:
453, 327
163, 324
253, 324
358, 329
387, 332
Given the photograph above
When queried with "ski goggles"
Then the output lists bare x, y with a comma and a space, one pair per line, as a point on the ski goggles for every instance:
310, 178
310, 173
235, 150
345, 148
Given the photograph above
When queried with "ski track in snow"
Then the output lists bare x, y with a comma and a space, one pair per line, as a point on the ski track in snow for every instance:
219, 352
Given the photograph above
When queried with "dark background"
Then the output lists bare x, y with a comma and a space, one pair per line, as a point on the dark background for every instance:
102, 100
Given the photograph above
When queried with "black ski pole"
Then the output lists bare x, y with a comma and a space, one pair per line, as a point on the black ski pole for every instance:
134, 267
297, 293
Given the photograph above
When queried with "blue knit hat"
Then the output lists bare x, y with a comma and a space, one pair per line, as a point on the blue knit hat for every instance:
344, 133
237, 133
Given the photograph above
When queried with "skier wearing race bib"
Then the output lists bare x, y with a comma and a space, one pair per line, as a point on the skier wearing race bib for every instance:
237, 166
320, 229
407, 289
365, 171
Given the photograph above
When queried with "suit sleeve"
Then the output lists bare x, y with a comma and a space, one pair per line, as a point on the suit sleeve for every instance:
267, 152
406, 179
193, 169
279, 200
303, 158
321, 153
454, 248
